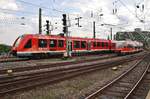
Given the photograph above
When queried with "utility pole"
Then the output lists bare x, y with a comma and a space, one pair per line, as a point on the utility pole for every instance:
51, 28
40, 21
78, 21
94, 32
65, 30
111, 33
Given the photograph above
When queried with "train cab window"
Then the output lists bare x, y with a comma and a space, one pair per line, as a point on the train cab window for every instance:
53, 43
28, 44
103, 45
94, 44
83, 44
98, 44
60, 43
76, 44
42, 43
18, 41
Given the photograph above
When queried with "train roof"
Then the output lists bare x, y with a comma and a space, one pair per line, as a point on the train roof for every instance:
60, 37
128, 42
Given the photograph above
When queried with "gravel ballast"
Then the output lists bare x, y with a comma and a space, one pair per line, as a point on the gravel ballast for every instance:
74, 88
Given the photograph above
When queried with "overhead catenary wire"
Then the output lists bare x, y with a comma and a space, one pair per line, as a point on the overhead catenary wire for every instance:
142, 16
9, 11
86, 19
39, 6
129, 10
53, 8
47, 8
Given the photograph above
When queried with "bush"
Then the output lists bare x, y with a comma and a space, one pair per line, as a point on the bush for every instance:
4, 48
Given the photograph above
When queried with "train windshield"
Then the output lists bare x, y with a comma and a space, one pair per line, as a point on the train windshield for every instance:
18, 41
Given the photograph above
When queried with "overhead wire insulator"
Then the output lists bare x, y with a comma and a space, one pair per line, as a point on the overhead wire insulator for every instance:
137, 6
143, 7
115, 7
113, 11
92, 14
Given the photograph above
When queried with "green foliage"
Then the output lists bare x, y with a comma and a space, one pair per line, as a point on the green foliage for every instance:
4, 48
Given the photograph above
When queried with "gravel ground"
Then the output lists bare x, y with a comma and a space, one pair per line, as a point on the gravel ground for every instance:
75, 88
8, 65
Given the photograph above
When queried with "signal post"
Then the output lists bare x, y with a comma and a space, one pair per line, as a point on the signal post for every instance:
65, 31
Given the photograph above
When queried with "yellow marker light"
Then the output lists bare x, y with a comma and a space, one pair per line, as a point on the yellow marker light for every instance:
9, 71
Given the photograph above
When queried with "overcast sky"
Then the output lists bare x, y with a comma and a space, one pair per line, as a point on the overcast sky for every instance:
19, 17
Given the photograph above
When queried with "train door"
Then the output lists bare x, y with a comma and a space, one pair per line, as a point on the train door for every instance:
70, 46
89, 46
110, 45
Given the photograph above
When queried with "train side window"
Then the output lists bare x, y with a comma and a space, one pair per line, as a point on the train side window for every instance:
94, 44
76, 44
113, 45
42, 43
106, 44
53, 43
60, 43
103, 45
98, 44
28, 44
83, 44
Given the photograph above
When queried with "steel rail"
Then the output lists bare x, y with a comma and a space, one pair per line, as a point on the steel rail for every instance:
26, 68
144, 73
77, 71
39, 72
91, 96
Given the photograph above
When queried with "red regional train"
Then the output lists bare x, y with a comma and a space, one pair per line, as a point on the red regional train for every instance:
37, 45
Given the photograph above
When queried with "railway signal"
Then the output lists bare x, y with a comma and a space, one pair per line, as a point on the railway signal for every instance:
64, 20
47, 27
65, 28
78, 21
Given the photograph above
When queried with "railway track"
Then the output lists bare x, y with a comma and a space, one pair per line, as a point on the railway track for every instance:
15, 59
49, 65
143, 88
11, 84
125, 84
12, 59
53, 65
